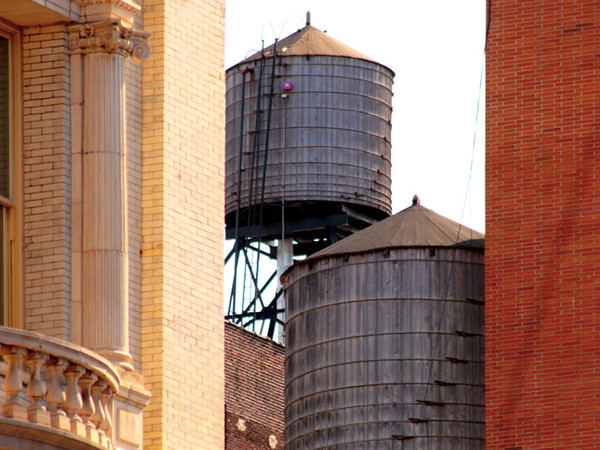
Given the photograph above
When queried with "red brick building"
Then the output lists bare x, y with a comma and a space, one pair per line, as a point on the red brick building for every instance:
254, 385
543, 225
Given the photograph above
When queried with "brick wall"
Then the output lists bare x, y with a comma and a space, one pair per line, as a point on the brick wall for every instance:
46, 181
254, 390
182, 224
543, 225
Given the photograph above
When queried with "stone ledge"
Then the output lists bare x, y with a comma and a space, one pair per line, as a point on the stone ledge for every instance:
129, 403
19, 435
131, 389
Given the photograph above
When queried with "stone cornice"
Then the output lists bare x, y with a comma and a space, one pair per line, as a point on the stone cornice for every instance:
126, 5
109, 36
100, 10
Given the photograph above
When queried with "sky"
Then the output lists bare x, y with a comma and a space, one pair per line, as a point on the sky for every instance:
436, 49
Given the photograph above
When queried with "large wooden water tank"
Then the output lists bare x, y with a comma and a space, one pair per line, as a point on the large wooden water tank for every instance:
384, 339
329, 139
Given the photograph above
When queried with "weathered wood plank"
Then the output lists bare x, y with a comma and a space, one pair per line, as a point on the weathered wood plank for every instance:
337, 133
370, 337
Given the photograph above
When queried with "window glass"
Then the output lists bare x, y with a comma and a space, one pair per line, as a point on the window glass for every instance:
4, 118
3, 275
5, 108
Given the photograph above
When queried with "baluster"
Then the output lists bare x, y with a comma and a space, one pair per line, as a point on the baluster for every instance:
99, 414
87, 410
13, 407
36, 389
73, 401
105, 398
56, 395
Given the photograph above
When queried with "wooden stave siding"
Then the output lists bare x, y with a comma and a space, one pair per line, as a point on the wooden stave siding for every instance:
355, 170
327, 350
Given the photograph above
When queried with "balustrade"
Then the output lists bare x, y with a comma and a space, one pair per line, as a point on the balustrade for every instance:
59, 385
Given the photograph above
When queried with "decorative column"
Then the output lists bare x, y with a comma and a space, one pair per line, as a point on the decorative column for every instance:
103, 47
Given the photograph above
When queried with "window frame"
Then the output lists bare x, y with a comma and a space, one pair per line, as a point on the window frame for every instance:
11, 211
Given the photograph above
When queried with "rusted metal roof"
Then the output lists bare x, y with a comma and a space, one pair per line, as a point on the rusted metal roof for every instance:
415, 226
310, 41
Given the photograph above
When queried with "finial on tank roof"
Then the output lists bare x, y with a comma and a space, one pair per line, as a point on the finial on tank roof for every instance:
416, 200
307, 18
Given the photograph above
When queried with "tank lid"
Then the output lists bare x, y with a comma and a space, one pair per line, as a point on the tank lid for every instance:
415, 226
309, 41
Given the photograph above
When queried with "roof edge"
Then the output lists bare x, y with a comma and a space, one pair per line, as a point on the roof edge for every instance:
316, 257
254, 333
283, 55
292, 40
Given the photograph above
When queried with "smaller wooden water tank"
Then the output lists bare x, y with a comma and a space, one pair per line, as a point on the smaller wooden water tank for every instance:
384, 339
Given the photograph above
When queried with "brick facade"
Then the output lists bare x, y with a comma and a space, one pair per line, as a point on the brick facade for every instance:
542, 225
182, 224
174, 121
47, 180
254, 390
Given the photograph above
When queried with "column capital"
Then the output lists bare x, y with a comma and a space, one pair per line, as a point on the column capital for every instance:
109, 36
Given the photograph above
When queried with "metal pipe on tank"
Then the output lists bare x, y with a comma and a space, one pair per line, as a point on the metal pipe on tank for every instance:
285, 249
232, 299
285, 254
284, 97
266, 154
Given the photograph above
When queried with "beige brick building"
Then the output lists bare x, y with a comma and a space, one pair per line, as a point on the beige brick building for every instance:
111, 223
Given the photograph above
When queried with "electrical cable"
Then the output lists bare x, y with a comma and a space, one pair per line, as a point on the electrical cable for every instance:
489, 22
265, 160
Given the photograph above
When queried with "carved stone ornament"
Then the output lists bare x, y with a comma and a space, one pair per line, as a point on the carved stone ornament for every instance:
123, 4
109, 36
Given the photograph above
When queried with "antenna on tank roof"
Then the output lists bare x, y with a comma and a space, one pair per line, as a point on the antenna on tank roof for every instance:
307, 18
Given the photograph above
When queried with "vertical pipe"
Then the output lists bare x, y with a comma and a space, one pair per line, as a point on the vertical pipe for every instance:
285, 249
265, 159
253, 163
283, 149
285, 254
232, 299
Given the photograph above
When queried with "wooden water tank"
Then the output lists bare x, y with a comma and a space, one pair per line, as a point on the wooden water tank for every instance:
329, 140
384, 339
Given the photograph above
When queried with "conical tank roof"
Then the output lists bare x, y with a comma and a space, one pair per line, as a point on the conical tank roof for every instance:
310, 41
415, 226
